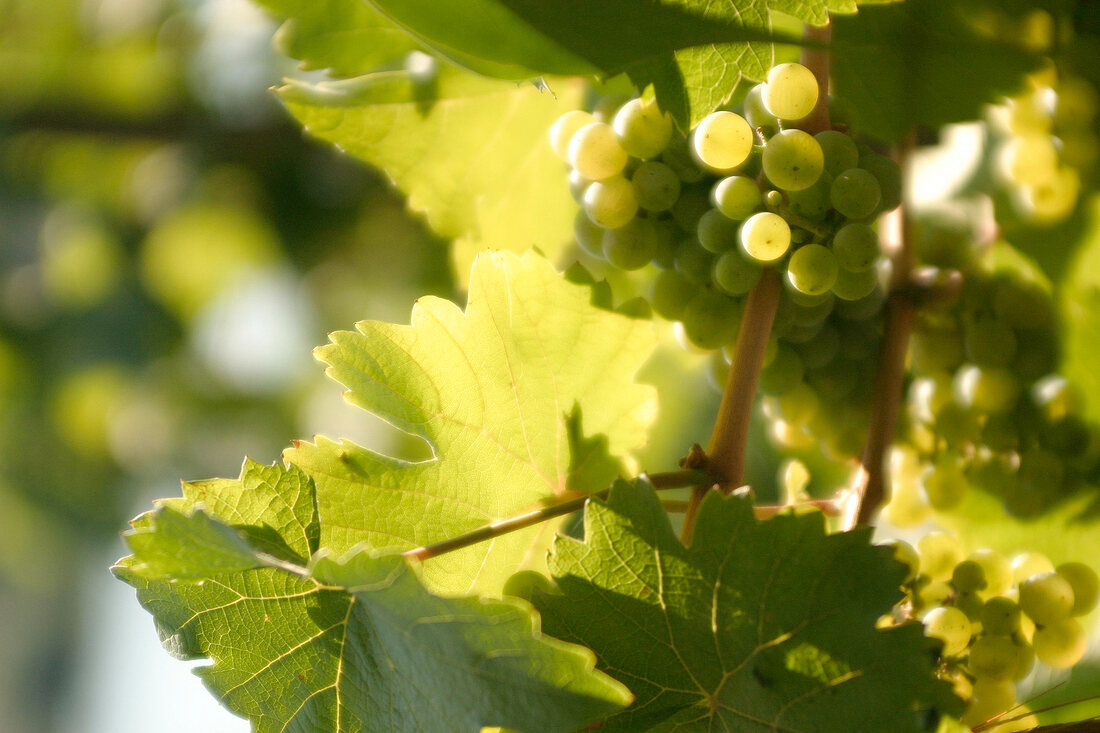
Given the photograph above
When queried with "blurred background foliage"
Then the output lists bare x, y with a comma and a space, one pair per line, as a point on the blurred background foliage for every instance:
171, 248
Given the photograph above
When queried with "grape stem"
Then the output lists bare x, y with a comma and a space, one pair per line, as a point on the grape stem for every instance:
725, 456
867, 490
669, 480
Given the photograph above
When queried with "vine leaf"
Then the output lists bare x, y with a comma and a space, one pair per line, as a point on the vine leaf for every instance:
355, 643
504, 393
897, 67
471, 154
345, 37
757, 626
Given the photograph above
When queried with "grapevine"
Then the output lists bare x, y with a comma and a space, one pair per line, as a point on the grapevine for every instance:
901, 365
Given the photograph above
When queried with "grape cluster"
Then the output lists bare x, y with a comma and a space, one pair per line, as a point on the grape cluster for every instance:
995, 617
984, 407
745, 191
1048, 143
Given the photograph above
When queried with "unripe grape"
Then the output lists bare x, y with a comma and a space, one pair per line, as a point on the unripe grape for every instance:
737, 197
906, 507
840, 150
1047, 598
798, 405
1026, 564
945, 484
989, 390
793, 160
717, 232
679, 157
734, 273
765, 237
998, 571
643, 129
968, 577
855, 286
756, 113
689, 208
722, 140
588, 235
939, 554
1029, 159
907, 555
1001, 615
693, 262
783, 373
888, 174
1085, 584
856, 247
671, 293
990, 342
936, 593
813, 203
991, 698
1061, 644
656, 186
993, 657
610, 203
578, 184
949, 625
1025, 659
812, 269
605, 109
855, 193
790, 92
563, 129
632, 245
596, 153
711, 320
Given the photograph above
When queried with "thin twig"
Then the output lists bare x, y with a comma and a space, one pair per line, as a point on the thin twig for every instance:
670, 480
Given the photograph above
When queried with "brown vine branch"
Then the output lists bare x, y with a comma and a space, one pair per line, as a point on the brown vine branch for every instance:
867, 490
670, 480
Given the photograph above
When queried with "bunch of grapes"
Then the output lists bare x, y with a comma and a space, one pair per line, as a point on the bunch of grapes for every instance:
995, 617
746, 191
1048, 143
984, 407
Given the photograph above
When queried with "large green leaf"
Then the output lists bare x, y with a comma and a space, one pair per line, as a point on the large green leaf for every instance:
359, 645
504, 393
921, 62
346, 37
757, 626
471, 154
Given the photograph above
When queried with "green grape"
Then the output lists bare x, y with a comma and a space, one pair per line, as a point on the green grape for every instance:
1036, 354
656, 186
856, 247
935, 349
989, 342
937, 593
790, 92
793, 478
756, 112
1047, 598
812, 269
799, 404
784, 372
906, 554
765, 237
855, 286
939, 554
632, 245
671, 293
888, 174
1026, 564
1001, 615
861, 309
668, 235
711, 319
949, 625
1053, 199
596, 153
990, 699
841, 152
605, 109
588, 235
928, 395
993, 657
793, 160
821, 349
987, 390
1030, 159
1041, 470
968, 577
998, 572
813, 203
717, 232
563, 129
643, 129
679, 158
1085, 584
1025, 661
835, 381
944, 483
610, 203
1060, 644
735, 274
855, 193
1056, 397
689, 208
737, 197
1022, 305
525, 583
907, 508
722, 140
810, 310
578, 184
693, 262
